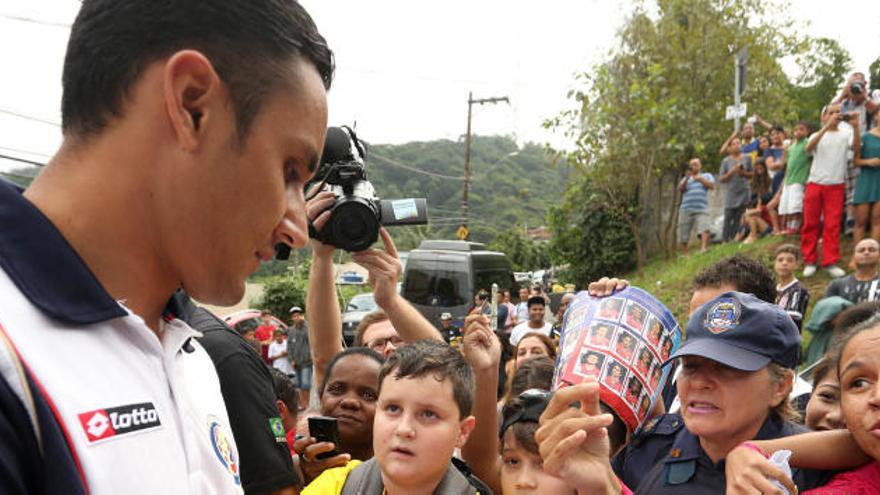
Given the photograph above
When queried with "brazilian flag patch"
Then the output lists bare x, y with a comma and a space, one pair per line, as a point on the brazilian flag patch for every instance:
277, 429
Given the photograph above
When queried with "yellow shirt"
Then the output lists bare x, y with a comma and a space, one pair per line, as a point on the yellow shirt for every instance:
331, 481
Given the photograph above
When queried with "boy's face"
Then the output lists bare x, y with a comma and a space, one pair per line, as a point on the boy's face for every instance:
536, 313
522, 471
785, 264
776, 137
416, 428
279, 337
800, 131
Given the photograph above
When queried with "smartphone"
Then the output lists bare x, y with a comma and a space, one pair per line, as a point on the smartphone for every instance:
325, 429
493, 316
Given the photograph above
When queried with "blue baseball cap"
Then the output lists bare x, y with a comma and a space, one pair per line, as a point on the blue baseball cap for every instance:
743, 332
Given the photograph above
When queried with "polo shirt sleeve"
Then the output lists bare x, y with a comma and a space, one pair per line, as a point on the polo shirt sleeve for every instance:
250, 402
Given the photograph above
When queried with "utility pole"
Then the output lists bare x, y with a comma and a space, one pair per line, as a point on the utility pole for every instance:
467, 157
739, 76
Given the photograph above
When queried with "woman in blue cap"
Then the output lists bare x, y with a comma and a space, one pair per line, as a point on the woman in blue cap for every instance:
737, 372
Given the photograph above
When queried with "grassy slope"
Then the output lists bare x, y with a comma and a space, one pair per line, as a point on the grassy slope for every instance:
670, 280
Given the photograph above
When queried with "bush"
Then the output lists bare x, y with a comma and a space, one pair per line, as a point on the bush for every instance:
281, 292
591, 241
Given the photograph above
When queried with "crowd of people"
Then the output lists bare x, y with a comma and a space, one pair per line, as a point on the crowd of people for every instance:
112, 380
807, 180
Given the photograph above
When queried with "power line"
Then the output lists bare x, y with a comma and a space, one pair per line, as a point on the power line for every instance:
19, 150
413, 169
22, 160
34, 21
29, 117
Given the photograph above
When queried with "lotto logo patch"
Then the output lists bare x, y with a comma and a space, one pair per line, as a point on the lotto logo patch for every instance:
101, 424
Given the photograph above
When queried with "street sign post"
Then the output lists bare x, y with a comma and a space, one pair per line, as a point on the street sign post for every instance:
735, 111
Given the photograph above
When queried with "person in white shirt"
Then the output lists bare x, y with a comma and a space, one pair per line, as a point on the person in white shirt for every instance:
278, 353
535, 323
825, 192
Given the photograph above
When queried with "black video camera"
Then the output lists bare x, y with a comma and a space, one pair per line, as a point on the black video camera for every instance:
358, 213
857, 88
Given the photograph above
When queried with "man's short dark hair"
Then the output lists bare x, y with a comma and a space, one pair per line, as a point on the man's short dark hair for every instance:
437, 359
249, 43
743, 273
536, 300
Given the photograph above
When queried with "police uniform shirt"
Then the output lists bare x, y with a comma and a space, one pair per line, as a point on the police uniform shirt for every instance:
667, 459
91, 399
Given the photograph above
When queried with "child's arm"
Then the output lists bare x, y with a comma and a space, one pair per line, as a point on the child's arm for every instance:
483, 352
828, 450
385, 270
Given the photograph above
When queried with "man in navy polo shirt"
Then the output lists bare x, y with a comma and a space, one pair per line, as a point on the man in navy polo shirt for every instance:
173, 114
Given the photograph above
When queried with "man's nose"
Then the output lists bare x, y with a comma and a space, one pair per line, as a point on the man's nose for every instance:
293, 230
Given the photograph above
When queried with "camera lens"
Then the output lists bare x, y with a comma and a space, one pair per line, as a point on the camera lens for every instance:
354, 224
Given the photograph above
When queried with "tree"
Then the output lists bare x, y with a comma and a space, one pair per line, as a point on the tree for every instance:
659, 100
524, 254
824, 65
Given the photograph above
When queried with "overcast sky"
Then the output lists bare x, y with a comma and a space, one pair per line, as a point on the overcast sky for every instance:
404, 68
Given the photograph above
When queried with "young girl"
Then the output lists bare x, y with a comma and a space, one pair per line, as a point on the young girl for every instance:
858, 369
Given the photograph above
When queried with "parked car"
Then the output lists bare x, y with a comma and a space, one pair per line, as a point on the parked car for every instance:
358, 307
443, 276
248, 319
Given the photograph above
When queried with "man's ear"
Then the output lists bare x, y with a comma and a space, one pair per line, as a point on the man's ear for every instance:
282, 409
466, 426
191, 86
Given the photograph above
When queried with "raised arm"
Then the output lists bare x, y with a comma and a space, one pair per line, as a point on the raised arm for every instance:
748, 469
483, 352
723, 150
573, 442
814, 141
385, 270
325, 324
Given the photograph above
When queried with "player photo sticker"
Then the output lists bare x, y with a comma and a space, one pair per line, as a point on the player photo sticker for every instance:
635, 316
590, 364
600, 334
610, 308
634, 389
615, 373
644, 361
654, 332
625, 345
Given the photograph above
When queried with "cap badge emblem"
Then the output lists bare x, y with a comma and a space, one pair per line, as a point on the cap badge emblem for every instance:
723, 315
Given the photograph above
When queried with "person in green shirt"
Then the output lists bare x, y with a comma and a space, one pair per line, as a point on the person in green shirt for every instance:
797, 170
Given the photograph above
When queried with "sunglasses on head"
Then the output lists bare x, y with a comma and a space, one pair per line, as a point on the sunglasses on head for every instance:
529, 407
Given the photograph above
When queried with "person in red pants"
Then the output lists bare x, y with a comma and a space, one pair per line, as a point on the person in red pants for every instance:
824, 195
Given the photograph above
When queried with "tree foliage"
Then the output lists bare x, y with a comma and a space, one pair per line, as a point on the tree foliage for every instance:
510, 186
659, 99
524, 254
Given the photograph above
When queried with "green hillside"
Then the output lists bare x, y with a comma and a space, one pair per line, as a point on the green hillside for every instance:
510, 187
